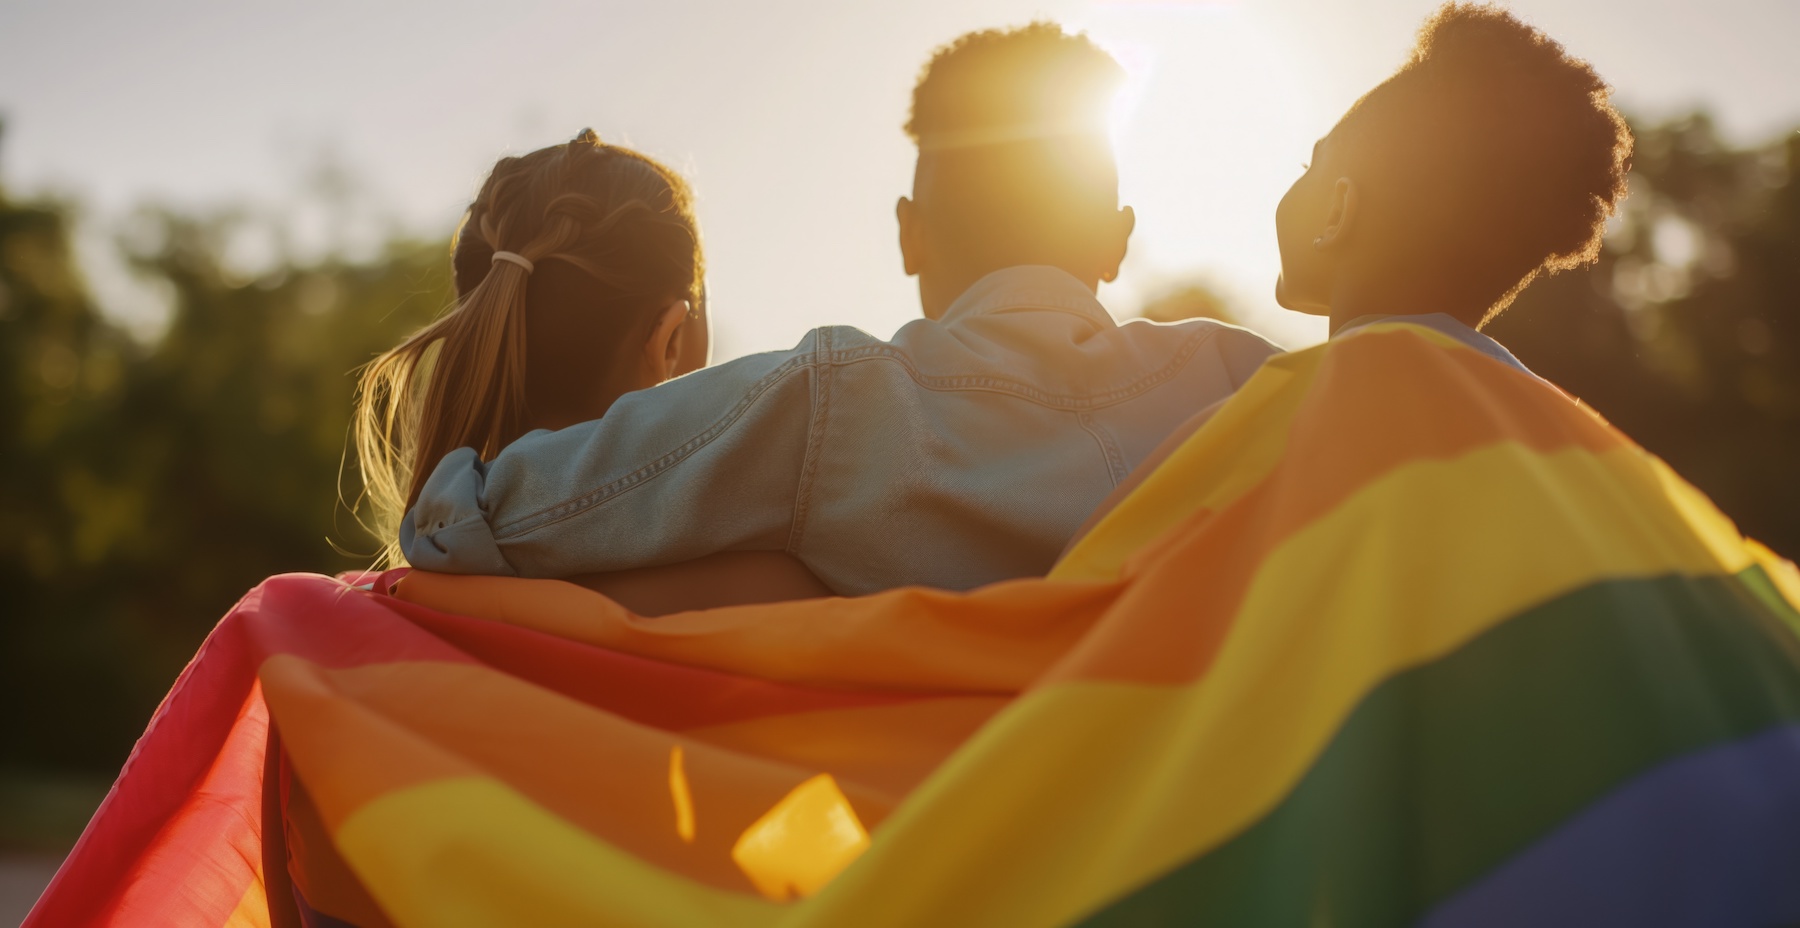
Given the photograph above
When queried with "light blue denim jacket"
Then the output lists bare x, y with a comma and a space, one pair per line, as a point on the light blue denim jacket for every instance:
964, 451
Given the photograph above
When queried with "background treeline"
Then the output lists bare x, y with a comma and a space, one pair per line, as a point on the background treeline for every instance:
144, 486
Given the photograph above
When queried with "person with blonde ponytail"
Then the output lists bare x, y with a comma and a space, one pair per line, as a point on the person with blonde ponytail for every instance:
579, 279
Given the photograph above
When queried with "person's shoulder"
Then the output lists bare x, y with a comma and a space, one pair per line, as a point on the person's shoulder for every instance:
829, 344
827, 337
1225, 336
750, 368
1209, 344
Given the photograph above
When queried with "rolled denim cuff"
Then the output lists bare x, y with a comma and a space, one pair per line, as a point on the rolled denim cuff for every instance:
447, 530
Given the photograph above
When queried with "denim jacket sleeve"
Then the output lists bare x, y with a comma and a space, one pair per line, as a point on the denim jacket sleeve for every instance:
709, 462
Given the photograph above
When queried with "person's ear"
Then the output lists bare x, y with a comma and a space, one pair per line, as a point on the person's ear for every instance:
695, 336
1340, 216
1119, 239
663, 349
912, 234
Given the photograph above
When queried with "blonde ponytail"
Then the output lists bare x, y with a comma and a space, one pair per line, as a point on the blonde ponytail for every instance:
474, 395
461, 381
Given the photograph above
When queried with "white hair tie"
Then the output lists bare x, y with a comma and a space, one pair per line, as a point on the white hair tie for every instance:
514, 258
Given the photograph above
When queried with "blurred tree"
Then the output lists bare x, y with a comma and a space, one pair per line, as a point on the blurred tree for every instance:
60, 380
144, 487
1687, 333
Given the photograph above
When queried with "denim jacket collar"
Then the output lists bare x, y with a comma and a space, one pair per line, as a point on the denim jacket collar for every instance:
1031, 286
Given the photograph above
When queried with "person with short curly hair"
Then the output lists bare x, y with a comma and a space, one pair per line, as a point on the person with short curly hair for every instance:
1015, 167
1491, 157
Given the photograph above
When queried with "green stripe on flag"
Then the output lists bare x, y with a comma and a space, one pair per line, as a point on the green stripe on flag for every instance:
1764, 587
1445, 771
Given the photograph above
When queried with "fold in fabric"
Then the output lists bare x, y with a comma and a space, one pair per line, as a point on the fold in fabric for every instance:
1400, 636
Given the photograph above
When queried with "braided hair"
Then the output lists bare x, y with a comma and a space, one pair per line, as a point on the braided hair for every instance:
599, 237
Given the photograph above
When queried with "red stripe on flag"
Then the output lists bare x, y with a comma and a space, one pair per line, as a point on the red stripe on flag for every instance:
669, 696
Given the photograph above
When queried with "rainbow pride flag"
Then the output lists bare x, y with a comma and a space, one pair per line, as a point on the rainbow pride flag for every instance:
1400, 636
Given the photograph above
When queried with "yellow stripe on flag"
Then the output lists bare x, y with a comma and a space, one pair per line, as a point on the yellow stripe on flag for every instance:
1303, 652
253, 908
471, 852
1234, 451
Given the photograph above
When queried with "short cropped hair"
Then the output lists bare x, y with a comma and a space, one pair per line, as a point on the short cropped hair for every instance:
1035, 77
1505, 152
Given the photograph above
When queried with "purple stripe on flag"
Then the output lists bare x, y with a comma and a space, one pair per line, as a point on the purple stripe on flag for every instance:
1710, 840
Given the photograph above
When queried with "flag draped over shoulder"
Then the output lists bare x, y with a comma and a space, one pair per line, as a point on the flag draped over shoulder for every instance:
1400, 636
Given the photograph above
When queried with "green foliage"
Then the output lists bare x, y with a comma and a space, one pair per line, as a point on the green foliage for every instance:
44, 815
144, 488
1687, 333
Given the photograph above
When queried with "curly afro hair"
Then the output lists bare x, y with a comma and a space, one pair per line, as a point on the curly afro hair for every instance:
1034, 75
1503, 154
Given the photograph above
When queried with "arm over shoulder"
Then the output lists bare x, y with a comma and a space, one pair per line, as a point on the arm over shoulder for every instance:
710, 462
1243, 351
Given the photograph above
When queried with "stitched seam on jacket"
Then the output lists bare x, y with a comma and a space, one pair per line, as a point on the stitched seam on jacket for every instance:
814, 438
1115, 460
576, 505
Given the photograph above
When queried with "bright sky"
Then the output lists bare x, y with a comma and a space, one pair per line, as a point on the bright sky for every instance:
785, 113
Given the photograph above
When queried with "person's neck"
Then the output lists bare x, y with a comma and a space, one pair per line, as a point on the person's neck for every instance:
937, 292
1352, 299
592, 407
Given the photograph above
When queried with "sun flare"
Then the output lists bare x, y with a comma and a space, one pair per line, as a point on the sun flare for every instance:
1212, 127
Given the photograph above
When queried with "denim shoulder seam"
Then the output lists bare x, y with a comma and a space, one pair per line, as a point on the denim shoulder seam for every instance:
994, 384
1109, 449
815, 435
576, 505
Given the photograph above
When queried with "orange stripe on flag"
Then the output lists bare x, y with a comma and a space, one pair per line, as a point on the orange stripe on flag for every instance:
1350, 420
395, 725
